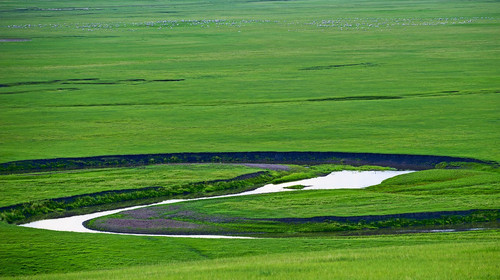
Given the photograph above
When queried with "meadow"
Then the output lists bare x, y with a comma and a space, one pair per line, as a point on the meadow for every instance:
33, 252
97, 78
92, 78
467, 255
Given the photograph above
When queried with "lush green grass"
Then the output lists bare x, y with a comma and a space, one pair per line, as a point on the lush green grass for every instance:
19, 188
391, 76
30, 251
268, 65
454, 182
470, 260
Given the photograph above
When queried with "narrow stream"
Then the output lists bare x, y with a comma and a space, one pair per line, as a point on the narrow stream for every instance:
335, 180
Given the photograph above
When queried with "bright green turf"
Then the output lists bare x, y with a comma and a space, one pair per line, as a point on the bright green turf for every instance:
25, 251
467, 260
244, 88
454, 182
20, 188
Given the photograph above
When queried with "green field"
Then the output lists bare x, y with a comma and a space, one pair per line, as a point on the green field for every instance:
91, 78
102, 256
418, 77
344, 264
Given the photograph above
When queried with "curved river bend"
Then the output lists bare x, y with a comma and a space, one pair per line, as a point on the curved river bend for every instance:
335, 180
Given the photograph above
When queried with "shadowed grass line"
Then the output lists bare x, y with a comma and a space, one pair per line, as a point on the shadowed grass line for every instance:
326, 67
85, 81
401, 161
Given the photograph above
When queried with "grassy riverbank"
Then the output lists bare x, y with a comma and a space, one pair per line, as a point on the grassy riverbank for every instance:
19, 188
293, 213
31, 251
118, 193
112, 199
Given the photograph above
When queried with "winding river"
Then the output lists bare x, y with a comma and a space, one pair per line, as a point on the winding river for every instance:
335, 180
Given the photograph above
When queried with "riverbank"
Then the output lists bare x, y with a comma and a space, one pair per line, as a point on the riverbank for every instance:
399, 161
364, 179
395, 206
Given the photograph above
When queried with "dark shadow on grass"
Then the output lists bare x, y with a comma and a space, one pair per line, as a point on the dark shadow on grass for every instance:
86, 81
41, 90
355, 98
326, 67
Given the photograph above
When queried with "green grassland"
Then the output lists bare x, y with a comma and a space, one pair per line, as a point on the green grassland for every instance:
417, 77
90, 77
467, 260
26, 251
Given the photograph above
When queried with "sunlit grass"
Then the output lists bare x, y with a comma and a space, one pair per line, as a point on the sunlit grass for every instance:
444, 259
385, 76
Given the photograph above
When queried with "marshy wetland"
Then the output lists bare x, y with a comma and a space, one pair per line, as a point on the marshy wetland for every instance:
109, 105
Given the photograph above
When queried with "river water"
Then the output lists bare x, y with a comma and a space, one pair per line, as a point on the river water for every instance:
335, 180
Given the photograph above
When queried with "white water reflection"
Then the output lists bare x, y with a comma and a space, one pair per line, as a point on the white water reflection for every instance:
335, 180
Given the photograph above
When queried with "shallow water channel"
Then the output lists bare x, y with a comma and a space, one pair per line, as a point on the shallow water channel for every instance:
335, 180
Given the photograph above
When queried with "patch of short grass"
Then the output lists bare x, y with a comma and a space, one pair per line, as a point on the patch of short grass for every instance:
295, 187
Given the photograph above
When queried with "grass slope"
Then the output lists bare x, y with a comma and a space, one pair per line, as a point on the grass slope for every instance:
437, 261
100, 78
26, 251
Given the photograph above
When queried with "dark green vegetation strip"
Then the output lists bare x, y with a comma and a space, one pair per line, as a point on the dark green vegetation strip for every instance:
416, 162
495, 214
85, 81
326, 67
